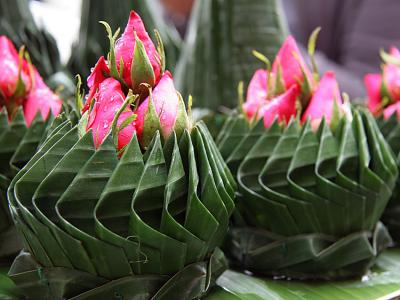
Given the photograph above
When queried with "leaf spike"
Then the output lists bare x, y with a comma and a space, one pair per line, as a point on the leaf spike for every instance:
312, 41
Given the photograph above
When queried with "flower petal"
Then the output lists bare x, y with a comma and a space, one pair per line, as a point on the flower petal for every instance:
98, 75
166, 101
321, 103
42, 99
125, 46
283, 107
9, 65
291, 62
109, 99
391, 76
373, 83
391, 109
256, 94
394, 51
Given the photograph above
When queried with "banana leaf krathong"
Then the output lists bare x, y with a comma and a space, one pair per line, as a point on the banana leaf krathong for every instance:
220, 38
383, 102
309, 202
121, 225
390, 129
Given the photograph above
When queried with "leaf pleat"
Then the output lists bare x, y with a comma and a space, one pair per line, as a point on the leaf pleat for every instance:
146, 212
172, 219
198, 219
210, 195
112, 210
11, 136
258, 209
275, 187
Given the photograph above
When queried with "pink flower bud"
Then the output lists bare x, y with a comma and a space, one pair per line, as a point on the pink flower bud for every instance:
391, 77
99, 73
9, 67
321, 103
283, 107
40, 99
256, 95
292, 64
373, 83
125, 46
109, 99
166, 102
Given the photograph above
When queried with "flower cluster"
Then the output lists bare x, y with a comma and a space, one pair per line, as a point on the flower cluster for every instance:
384, 89
131, 90
290, 89
22, 85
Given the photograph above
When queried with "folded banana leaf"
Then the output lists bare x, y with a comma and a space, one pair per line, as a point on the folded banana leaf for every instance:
19, 144
151, 221
92, 42
383, 282
220, 39
17, 23
309, 202
391, 131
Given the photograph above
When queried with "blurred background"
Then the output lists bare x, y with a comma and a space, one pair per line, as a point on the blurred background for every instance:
353, 31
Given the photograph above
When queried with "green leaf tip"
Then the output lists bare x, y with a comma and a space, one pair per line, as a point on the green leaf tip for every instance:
111, 55
114, 125
312, 41
151, 122
79, 94
262, 58
240, 91
388, 58
160, 50
142, 70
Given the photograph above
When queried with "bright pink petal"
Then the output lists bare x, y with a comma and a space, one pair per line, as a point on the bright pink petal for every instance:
391, 109
126, 44
394, 51
109, 99
373, 83
391, 76
321, 103
42, 99
283, 107
99, 73
256, 94
9, 65
291, 62
166, 102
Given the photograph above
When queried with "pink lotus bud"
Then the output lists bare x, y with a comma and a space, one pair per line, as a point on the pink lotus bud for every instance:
292, 64
373, 83
109, 99
125, 47
322, 102
391, 109
283, 107
166, 103
40, 99
256, 95
99, 73
10, 63
391, 78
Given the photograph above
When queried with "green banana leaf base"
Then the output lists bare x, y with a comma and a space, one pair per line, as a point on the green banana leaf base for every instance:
390, 129
18, 144
192, 282
306, 256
